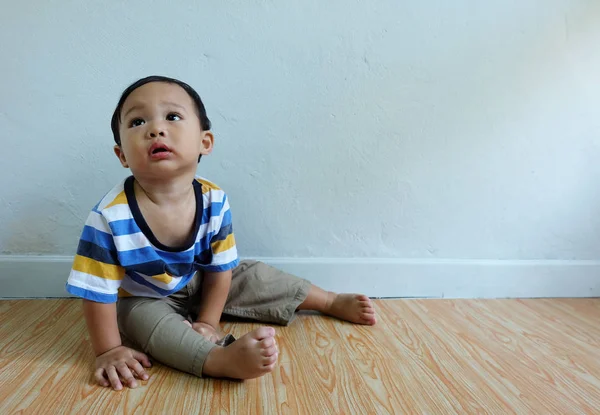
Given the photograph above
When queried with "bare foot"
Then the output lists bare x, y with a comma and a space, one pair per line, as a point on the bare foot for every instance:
251, 356
355, 308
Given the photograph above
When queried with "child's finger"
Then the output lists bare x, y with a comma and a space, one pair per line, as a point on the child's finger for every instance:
111, 372
99, 376
127, 376
142, 358
137, 369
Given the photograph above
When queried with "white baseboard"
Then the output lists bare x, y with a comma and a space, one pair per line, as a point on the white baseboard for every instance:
45, 276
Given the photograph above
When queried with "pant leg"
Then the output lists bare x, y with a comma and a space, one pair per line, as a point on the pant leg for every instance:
156, 326
264, 293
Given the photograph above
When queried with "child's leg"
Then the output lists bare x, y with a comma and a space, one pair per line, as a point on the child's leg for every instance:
261, 292
159, 329
155, 327
356, 308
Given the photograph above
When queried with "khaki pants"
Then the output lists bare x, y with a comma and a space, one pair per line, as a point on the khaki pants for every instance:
155, 326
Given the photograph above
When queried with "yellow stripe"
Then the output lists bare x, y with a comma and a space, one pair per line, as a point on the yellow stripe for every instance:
207, 186
224, 245
121, 199
98, 269
166, 278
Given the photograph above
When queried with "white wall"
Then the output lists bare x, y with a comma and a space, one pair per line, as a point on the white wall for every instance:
434, 129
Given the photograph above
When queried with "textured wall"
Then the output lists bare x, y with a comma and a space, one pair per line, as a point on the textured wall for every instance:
436, 129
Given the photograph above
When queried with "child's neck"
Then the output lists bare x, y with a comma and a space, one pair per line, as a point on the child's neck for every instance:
165, 193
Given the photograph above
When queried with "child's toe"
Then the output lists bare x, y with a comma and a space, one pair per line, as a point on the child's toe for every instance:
269, 368
263, 333
269, 351
269, 360
367, 307
268, 342
367, 315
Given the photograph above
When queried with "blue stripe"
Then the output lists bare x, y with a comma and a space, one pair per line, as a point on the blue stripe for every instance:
223, 234
124, 227
181, 269
97, 237
151, 268
97, 253
226, 218
176, 257
91, 295
159, 267
220, 268
142, 281
150, 262
211, 211
204, 243
203, 258
148, 254
138, 256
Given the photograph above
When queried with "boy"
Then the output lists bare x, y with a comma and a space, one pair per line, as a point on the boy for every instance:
157, 263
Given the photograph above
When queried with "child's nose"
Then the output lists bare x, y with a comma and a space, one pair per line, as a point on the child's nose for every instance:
156, 131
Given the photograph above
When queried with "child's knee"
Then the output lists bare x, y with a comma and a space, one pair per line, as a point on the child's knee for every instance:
177, 345
139, 320
164, 332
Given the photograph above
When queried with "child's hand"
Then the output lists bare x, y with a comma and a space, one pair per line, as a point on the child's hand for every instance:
120, 362
207, 331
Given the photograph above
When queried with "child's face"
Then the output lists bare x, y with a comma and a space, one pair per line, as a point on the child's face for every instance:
160, 132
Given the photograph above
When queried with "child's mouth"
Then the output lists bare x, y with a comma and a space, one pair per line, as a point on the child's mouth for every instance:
159, 151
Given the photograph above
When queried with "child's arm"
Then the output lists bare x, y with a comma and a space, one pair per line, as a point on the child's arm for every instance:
217, 275
112, 359
101, 321
215, 289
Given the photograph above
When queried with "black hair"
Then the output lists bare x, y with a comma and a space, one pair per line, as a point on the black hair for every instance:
116, 117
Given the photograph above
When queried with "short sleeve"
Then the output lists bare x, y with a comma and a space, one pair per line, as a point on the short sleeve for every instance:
222, 240
96, 273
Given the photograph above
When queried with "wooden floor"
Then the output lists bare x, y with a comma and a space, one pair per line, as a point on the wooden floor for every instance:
424, 356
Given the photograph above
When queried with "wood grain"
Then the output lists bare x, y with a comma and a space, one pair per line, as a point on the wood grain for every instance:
424, 356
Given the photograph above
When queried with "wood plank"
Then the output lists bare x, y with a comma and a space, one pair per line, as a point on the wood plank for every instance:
424, 356
514, 365
442, 363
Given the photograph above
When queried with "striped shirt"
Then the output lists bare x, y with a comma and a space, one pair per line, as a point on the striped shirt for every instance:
119, 256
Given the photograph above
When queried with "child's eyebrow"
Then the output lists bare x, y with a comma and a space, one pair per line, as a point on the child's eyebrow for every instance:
174, 104
166, 103
135, 107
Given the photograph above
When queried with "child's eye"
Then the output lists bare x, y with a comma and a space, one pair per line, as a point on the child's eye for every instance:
173, 117
136, 122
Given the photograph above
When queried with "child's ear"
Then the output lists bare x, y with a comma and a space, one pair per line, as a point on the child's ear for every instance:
121, 156
208, 140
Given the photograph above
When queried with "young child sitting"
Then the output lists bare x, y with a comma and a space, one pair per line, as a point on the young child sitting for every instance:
157, 263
